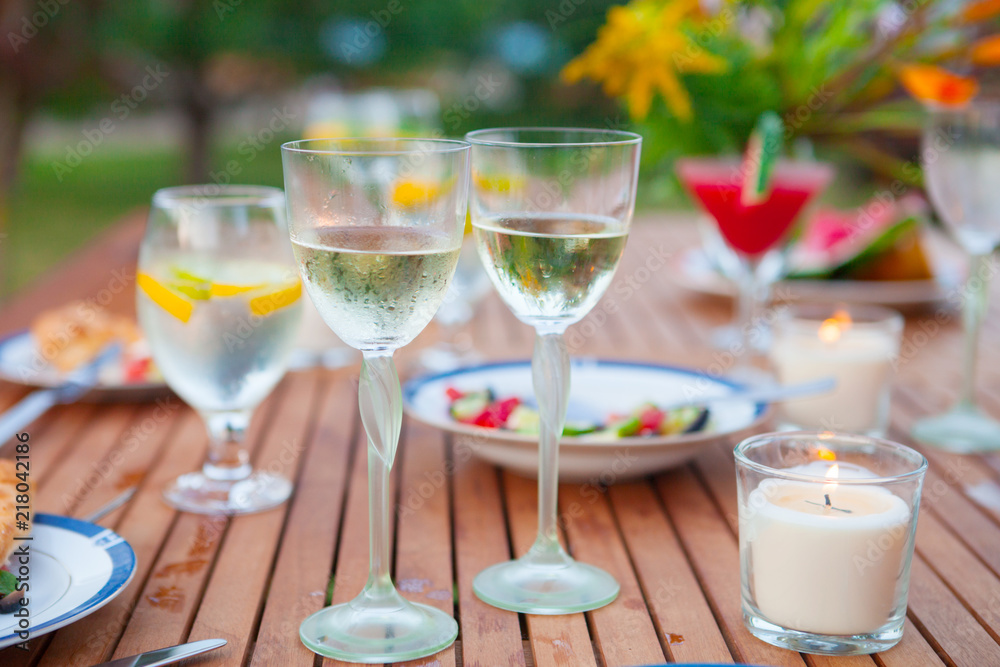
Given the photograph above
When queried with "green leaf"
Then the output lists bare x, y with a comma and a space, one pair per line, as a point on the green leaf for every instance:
8, 583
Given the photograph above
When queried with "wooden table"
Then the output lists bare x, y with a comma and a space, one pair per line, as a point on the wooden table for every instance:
669, 540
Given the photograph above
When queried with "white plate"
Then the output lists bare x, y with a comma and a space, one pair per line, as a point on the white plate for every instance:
693, 270
599, 388
22, 363
74, 569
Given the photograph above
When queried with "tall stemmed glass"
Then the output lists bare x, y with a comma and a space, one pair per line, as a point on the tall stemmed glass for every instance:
961, 159
219, 301
551, 210
377, 264
757, 233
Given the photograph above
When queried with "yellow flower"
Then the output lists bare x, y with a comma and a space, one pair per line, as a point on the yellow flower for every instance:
414, 193
642, 49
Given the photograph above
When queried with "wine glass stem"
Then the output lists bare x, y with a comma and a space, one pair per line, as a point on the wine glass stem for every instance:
973, 311
748, 311
381, 405
550, 374
227, 459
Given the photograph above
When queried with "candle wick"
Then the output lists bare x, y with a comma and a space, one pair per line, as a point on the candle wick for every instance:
829, 506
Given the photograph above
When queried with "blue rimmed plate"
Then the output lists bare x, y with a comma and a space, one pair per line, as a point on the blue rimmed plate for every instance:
74, 569
599, 388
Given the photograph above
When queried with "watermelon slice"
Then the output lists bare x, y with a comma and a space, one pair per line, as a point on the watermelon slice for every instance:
762, 154
879, 241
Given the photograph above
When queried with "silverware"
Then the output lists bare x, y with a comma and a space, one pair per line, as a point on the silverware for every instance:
766, 394
34, 405
165, 656
110, 507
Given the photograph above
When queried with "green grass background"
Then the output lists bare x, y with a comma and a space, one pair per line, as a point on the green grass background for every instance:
50, 219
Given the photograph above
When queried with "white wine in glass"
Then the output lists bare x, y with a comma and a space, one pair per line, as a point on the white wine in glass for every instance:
376, 226
551, 210
960, 157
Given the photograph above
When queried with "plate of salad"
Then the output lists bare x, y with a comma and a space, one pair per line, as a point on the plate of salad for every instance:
620, 423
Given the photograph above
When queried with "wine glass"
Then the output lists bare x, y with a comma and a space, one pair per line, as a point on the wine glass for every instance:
551, 210
218, 299
960, 156
757, 235
376, 226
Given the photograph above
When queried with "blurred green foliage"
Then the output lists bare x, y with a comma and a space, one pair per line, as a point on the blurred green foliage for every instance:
90, 52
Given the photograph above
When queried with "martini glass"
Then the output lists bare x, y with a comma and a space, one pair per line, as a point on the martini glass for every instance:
551, 210
376, 226
757, 234
219, 301
961, 156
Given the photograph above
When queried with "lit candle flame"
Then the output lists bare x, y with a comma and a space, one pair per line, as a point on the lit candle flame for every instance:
824, 454
831, 475
833, 327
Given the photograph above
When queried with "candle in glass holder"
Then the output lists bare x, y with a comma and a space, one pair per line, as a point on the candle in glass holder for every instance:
827, 523
826, 557
854, 347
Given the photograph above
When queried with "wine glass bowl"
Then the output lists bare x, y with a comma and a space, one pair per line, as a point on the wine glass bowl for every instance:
219, 302
960, 156
376, 226
551, 210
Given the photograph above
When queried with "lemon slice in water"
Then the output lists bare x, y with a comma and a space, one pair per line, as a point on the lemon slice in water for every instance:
164, 297
266, 304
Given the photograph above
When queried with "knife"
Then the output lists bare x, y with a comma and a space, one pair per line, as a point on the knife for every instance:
166, 656
78, 383
765, 394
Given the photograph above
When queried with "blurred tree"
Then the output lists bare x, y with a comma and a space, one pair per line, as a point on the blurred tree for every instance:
45, 45
209, 53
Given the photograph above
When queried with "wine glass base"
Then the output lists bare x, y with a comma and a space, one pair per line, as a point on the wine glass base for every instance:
531, 588
195, 492
358, 633
964, 429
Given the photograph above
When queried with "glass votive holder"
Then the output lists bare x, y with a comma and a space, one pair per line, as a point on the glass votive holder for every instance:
856, 346
827, 523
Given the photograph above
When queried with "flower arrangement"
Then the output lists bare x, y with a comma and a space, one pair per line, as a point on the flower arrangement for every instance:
695, 76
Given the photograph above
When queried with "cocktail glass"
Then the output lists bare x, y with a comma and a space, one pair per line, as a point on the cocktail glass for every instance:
756, 233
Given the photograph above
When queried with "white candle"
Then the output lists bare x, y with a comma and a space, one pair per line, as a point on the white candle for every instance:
859, 358
832, 568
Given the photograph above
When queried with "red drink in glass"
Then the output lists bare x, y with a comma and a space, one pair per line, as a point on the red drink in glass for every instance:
753, 229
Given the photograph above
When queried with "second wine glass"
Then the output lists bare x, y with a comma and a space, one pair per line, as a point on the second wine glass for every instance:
551, 210
377, 247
